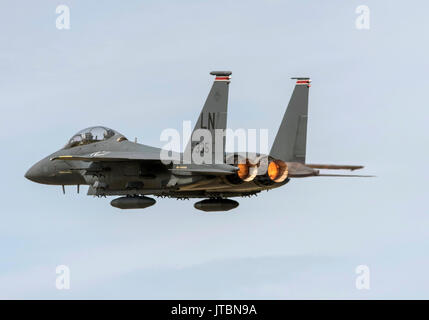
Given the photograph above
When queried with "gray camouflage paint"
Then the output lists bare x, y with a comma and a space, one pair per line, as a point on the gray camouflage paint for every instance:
116, 166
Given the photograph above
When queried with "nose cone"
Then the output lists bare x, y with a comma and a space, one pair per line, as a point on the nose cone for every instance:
35, 173
54, 173
42, 172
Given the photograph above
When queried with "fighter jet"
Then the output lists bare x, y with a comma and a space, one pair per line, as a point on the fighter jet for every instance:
111, 165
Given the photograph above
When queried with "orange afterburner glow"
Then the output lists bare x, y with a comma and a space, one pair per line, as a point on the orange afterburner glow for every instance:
246, 171
243, 171
277, 171
273, 170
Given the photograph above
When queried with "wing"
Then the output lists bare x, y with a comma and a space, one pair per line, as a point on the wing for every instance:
151, 155
114, 156
204, 169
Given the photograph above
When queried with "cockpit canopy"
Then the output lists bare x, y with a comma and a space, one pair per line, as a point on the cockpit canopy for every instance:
91, 135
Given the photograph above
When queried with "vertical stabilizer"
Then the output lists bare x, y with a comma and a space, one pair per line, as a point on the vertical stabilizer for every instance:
291, 139
213, 117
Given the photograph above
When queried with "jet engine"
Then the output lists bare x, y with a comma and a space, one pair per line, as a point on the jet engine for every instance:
247, 171
277, 170
274, 171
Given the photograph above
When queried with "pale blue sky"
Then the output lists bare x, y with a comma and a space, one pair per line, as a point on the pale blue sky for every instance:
143, 66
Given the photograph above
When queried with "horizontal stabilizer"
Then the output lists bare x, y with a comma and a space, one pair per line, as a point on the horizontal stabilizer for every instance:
334, 166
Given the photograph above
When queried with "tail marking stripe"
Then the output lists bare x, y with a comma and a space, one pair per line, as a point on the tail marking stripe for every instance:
221, 78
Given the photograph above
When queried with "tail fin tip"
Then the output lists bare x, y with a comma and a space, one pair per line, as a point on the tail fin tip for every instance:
302, 81
221, 73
